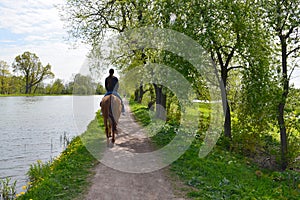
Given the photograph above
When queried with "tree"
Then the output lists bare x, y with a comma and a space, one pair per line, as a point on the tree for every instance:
83, 85
29, 65
220, 26
57, 87
283, 21
16, 85
90, 20
4, 77
69, 87
100, 89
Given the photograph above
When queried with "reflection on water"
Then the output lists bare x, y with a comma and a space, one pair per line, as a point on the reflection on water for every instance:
37, 128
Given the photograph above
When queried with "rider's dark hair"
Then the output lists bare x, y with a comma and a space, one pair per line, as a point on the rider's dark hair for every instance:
111, 71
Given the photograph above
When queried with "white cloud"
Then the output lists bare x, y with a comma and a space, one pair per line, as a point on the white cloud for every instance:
35, 26
29, 16
7, 41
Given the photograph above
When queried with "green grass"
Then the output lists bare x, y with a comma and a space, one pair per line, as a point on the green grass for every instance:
220, 175
67, 176
141, 113
223, 174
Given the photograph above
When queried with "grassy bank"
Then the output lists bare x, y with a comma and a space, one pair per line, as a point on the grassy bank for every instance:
223, 174
67, 176
220, 175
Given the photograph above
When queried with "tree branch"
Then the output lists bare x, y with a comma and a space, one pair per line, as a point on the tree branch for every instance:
289, 77
235, 67
294, 50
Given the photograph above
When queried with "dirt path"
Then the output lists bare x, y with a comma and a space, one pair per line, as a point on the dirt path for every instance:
111, 184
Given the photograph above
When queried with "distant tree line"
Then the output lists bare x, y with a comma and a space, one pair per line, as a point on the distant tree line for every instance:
28, 76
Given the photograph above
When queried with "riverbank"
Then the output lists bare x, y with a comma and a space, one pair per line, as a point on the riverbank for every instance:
67, 176
38, 128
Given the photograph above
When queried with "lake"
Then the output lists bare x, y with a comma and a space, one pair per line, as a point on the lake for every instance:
34, 128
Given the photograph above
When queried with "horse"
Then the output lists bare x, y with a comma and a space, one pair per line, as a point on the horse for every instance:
111, 111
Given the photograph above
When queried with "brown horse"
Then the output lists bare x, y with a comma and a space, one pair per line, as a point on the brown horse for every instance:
111, 111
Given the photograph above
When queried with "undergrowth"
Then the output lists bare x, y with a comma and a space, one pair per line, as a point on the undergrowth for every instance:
223, 174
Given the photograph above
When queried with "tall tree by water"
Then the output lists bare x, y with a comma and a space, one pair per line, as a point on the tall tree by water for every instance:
30, 66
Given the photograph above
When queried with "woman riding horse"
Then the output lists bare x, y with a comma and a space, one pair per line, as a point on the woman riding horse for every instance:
111, 106
112, 86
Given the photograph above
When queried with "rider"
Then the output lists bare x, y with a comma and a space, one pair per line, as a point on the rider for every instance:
112, 86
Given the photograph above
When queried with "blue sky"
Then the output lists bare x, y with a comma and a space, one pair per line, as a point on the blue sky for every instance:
35, 26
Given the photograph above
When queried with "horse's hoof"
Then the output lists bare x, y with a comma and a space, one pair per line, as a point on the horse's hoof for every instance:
113, 141
110, 145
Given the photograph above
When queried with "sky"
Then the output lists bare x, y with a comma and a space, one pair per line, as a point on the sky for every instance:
35, 26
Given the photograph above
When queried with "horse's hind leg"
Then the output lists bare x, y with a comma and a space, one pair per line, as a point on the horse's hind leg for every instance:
109, 129
113, 131
106, 131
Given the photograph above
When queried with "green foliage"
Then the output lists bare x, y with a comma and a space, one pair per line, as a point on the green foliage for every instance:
240, 37
141, 113
225, 175
38, 171
57, 87
4, 77
29, 65
28, 79
293, 127
83, 85
7, 190
100, 89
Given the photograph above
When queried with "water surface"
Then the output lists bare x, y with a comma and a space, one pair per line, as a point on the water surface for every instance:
33, 128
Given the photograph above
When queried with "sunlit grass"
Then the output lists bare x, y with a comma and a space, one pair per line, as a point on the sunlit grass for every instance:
67, 176
223, 174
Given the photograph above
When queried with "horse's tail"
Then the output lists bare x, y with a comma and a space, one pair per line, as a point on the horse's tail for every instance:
111, 115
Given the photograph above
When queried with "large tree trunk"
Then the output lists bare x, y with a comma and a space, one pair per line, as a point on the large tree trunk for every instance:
161, 100
141, 93
27, 86
2, 85
281, 122
136, 95
227, 123
27, 91
283, 136
224, 76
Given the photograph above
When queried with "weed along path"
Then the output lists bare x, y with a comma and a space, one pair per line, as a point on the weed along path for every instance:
111, 183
